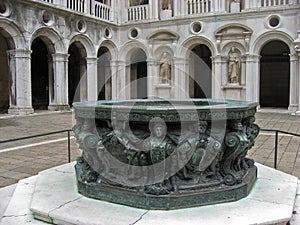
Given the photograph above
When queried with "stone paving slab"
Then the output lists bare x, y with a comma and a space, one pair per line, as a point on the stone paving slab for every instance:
270, 202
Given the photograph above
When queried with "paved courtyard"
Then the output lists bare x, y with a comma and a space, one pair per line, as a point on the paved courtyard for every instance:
26, 158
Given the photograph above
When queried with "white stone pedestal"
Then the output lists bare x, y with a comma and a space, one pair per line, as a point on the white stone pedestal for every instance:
52, 196
163, 90
234, 91
165, 14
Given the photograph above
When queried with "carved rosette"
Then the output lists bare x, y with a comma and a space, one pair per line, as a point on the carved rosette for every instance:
165, 154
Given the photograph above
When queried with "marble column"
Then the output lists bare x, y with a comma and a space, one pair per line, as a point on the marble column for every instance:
91, 79
83, 80
152, 75
297, 71
114, 80
252, 77
294, 77
60, 82
20, 84
123, 81
217, 71
180, 70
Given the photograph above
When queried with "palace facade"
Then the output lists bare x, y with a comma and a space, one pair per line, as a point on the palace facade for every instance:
55, 52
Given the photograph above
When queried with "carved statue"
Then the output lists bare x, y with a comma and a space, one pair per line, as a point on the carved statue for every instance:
234, 66
235, 6
165, 4
137, 2
165, 68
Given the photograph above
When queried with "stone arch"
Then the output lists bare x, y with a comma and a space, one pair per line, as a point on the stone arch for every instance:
126, 51
191, 42
11, 38
86, 43
77, 71
266, 37
52, 39
13, 33
104, 76
198, 53
290, 78
111, 47
135, 56
42, 87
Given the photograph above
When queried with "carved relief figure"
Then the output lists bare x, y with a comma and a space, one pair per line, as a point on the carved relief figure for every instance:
234, 66
165, 4
165, 68
158, 145
235, 6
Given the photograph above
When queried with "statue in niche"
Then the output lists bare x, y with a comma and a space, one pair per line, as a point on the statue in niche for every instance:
235, 6
234, 66
165, 4
165, 68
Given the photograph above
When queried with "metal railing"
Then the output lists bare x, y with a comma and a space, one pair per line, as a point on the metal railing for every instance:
276, 141
42, 135
277, 132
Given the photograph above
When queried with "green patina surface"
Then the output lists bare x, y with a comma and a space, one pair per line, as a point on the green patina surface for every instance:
165, 153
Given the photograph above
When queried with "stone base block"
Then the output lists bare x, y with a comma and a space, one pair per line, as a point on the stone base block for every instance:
53, 198
20, 111
165, 14
163, 90
58, 107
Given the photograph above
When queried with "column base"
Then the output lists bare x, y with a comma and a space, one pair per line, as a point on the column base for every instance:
20, 111
293, 108
58, 107
297, 113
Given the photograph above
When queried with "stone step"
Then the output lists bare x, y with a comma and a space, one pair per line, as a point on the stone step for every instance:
6, 194
18, 210
53, 197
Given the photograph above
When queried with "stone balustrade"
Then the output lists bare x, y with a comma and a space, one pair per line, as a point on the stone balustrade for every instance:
102, 11
140, 12
198, 6
105, 10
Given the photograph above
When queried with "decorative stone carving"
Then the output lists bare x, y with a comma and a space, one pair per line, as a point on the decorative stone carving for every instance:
234, 66
165, 154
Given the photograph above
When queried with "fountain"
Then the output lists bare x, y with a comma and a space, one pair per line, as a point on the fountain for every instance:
165, 153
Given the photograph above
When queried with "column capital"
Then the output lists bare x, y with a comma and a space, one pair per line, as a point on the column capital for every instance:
60, 57
252, 58
19, 53
91, 60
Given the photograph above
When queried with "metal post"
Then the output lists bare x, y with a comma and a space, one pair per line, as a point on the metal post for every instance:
276, 149
69, 147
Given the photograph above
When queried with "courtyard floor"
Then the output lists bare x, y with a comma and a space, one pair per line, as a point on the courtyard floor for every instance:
26, 158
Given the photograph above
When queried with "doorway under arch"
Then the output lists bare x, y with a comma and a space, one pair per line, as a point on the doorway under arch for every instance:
4, 77
200, 77
40, 76
275, 75
77, 82
138, 74
104, 74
